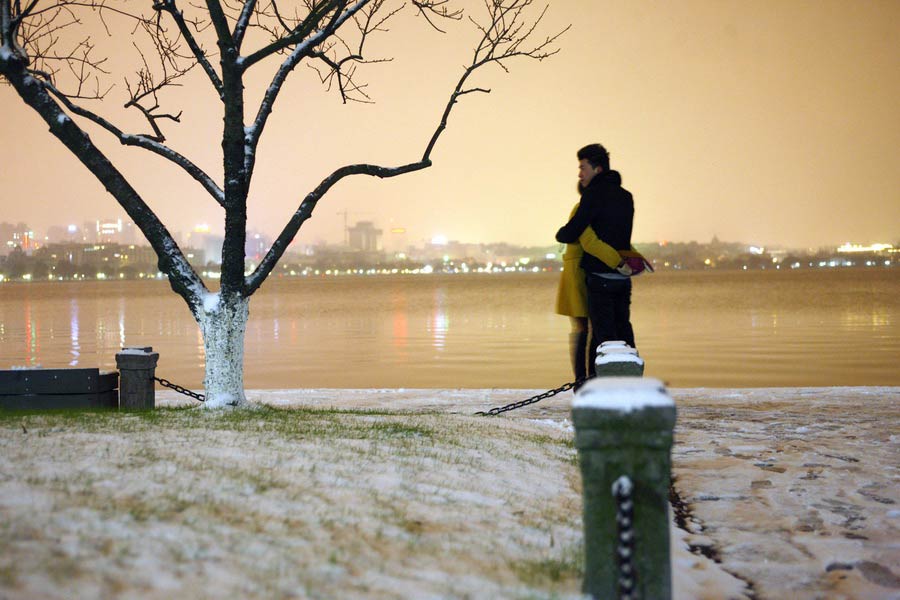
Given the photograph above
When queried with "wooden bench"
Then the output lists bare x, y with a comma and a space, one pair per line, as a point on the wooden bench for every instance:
41, 389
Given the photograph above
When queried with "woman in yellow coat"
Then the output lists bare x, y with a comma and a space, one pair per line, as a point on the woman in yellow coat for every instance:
571, 297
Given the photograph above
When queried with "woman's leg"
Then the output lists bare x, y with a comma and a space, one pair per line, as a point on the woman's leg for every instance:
578, 341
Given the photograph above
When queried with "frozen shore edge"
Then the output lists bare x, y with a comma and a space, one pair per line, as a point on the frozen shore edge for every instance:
464, 399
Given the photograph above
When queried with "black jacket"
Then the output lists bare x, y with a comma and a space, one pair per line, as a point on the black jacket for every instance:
608, 208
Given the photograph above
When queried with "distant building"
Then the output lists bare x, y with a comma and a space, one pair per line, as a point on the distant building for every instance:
365, 237
256, 246
59, 234
6, 238
396, 240
16, 236
206, 242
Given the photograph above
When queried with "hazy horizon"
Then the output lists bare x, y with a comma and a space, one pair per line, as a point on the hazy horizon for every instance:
769, 123
418, 242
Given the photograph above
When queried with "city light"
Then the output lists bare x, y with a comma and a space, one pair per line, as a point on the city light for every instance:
850, 248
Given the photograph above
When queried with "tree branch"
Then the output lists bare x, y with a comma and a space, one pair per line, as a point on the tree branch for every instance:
240, 28
220, 23
431, 9
178, 16
302, 50
304, 28
304, 212
143, 142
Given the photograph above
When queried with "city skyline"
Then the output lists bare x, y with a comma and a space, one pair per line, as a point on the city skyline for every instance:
127, 234
771, 123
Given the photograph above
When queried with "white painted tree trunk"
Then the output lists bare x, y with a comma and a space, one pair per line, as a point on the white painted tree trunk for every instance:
223, 322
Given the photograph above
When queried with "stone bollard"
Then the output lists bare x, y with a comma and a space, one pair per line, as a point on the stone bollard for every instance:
623, 432
137, 367
617, 359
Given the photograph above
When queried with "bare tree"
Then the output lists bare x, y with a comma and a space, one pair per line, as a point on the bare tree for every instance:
59, 75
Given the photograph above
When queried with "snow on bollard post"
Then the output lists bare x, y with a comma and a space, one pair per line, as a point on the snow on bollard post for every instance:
623, 432
617, 359
137, 367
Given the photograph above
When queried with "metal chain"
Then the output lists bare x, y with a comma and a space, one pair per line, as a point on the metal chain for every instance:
490, 413
548, 394
622, 493
180, 389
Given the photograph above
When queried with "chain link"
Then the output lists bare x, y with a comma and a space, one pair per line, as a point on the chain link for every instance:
548, 394
181, 390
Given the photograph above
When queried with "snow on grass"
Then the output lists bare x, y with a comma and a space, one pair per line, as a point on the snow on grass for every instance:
274, 503
405, 494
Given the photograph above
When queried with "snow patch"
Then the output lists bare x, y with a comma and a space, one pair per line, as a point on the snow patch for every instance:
62, 118
617, 350
618, 357
210, 302
623, 394
133, 351
564, 425
614, 344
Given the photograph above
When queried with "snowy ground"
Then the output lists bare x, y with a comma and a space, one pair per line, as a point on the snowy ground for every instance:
784, 493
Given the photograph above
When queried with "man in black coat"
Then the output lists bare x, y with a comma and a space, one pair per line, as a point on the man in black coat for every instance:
609, 209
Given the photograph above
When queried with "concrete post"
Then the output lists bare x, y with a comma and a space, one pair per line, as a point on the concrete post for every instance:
137, 367
623, 427
617, 359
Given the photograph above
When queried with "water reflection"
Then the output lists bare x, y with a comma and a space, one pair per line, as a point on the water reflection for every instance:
400, 325
31, 337
861, 318
439, 320
394, 332
121, 322
75, 350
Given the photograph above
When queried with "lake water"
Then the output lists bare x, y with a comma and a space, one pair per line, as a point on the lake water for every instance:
694, 329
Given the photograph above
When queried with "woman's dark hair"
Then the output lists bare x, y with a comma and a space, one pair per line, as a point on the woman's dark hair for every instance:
596, 155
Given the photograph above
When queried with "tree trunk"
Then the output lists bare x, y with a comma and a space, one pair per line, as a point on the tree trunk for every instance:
223, 321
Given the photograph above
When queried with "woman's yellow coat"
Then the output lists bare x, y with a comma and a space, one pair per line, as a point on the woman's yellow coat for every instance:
571, 296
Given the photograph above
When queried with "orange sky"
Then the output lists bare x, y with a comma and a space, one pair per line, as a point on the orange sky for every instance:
769, 122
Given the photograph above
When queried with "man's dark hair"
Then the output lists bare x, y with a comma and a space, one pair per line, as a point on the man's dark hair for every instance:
596, 155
